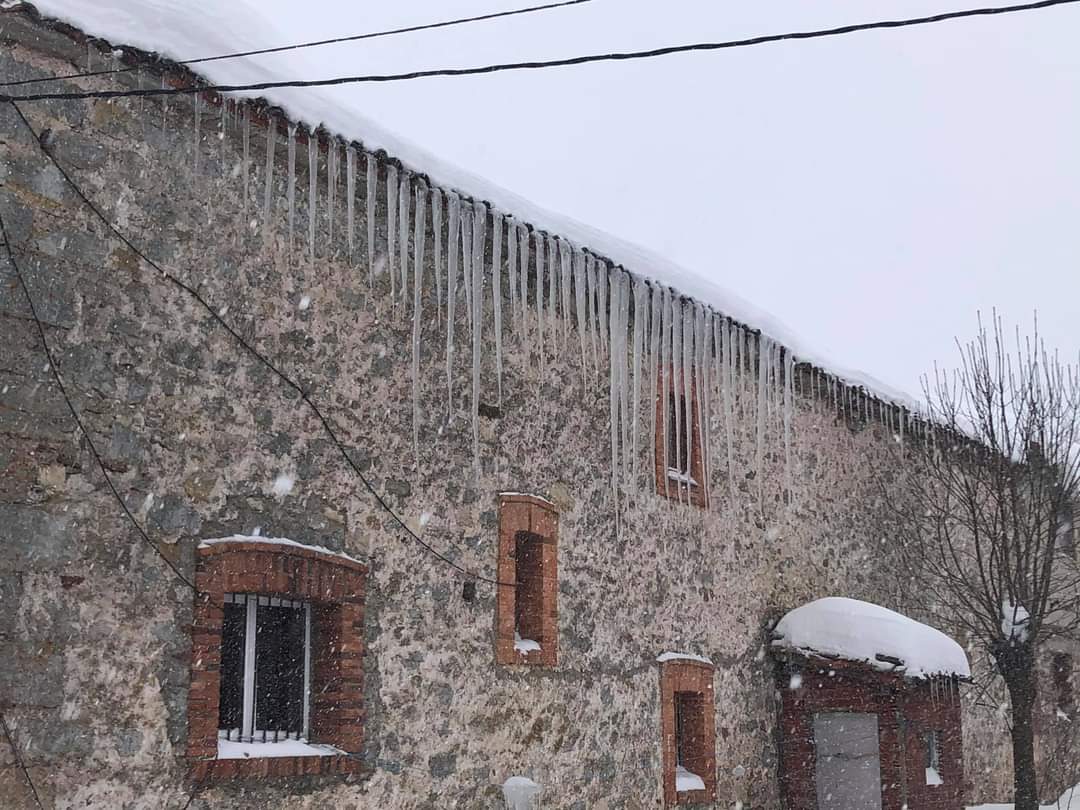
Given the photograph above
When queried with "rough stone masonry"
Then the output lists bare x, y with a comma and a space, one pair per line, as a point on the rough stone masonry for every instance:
95, 629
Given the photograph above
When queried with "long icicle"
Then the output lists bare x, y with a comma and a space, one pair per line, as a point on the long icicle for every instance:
454, 225
613, 405
640, 293
391, 226
479, 226
370, 189
624, 372
350, 201
591, 305
538, 238
763, 354
313, 189
418, 314
331, 191
290, 192
466, 260
789, 404
689, 395
268, 188
602, 271
579, 306
666, 388
553, 282
703, 401
727, 382
511, 268
496, 294
676, 391
654, 367
404, 184
523, 282
565, 259
245, 135
437, 228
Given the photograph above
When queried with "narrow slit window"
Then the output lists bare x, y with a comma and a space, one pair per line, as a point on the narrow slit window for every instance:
689, 741
265, 669
678, 450
529, 604
933, 758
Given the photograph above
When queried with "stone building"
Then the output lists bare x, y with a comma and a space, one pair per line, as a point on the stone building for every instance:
547, 544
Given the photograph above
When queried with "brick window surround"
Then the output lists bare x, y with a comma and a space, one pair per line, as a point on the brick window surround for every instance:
688, 727
527, 555
334, 586
676, 490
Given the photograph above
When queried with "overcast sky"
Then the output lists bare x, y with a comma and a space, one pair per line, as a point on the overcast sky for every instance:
870, 191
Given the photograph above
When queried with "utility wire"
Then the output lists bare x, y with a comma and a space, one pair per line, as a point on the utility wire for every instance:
75, 414
19, 760
354, 38
552, 63
248, 347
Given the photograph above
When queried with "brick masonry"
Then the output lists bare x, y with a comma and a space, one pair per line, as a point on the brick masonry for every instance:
683, 679
97, 642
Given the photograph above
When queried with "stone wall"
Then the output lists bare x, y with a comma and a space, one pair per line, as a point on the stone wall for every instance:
194, 432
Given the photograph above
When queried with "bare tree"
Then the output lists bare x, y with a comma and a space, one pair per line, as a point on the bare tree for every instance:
980, 513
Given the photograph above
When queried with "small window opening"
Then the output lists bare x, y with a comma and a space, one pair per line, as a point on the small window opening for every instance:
933, 758
529, 602
690, 755
679, 450
1062, 671
265, 669
1065, 530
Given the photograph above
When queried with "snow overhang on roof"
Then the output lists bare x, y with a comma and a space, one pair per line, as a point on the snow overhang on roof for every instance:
836, 627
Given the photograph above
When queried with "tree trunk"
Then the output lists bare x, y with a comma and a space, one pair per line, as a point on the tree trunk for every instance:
1020, 680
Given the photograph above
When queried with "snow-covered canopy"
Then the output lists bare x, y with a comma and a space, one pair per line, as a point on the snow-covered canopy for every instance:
860, 631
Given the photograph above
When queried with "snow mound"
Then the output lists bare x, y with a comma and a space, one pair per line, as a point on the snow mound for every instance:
860, 631
685, 780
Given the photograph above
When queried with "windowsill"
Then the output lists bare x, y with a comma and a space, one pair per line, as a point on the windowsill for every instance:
681, 477
685, 781
231, 749
525, 645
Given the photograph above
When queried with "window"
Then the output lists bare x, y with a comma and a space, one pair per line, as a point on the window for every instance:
265, 669
933, 758
277, 660
688, 727
527, 629
679, 463
1065, 534
1061, 673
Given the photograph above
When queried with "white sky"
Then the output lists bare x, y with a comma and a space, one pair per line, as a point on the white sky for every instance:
870, 191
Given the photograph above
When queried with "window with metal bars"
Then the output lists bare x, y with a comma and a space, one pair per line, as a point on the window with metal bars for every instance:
679, 448
265, 669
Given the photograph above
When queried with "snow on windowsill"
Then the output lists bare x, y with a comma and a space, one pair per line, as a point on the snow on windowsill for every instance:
231, 749
678, 656
529, 495
933, 777
682, 477
525, 645
686, 781
277, 541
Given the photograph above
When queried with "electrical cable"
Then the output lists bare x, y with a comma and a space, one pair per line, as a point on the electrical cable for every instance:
75, 414
20, 762
281, 375
551, 63
317, 43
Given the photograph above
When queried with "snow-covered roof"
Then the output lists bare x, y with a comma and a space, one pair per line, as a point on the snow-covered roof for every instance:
276, 541
860, 631
170, 29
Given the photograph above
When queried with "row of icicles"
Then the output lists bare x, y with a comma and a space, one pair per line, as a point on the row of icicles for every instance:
714, 369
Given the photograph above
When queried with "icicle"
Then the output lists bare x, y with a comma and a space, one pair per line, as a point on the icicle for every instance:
370, 188
727, 382
511, 266
789, 372
466, 260
313, 188
350, 204
676, 391
624, 370
538, 238
268, 190
196, 101
592, 306
564, 287
164, 106
703, 401
391, 226
613, 397
763, 354
666, 388
418, 285
553, 290
641, 293
523, 279
436, 226
579, 306
654, 366
245, 136
688, 393
403, 230
331, 190
451, 292
223, 142
479, 225
602, 272
291, 190
496, 294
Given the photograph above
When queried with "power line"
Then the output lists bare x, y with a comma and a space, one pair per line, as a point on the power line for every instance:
552, 63
19, 760
75, 414
248, 347
316, 43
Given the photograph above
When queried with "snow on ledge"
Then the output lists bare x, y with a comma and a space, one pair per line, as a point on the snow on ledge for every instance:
231, 749
685, 780
678, 656
860, 631
525, 645
528, 495
276, 541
